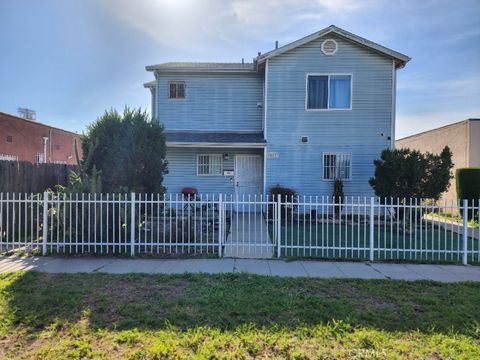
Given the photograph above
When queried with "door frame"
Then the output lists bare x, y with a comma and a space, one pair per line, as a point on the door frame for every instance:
235, 171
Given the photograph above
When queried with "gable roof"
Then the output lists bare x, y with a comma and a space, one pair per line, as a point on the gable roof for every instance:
202, 66
399, 58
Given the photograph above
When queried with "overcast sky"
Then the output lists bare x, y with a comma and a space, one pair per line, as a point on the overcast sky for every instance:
71, 60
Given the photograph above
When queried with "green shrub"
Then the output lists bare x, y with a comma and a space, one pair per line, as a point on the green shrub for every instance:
283, 192
468, 186
405, 173
287, 194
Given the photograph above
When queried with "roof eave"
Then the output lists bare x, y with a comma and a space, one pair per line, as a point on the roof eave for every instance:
215, 144
150, 84
200, 70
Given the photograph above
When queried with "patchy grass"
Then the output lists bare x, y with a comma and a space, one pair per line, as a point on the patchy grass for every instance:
234, 316
335, 241
456, 219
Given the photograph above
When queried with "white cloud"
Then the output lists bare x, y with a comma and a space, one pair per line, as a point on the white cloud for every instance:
191, 25
422, 86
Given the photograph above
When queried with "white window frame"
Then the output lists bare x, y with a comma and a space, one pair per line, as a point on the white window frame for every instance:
220, 156
39, 158
184, 90
7, 157
328, 95
349, 155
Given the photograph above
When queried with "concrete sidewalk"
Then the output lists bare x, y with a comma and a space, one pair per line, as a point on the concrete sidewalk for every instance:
314, 269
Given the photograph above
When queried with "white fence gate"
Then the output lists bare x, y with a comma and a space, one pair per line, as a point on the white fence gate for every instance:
411, 230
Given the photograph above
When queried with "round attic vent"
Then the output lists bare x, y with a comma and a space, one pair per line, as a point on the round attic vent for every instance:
329, 47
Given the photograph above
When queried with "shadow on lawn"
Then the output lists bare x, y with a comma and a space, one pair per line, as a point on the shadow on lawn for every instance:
36, 300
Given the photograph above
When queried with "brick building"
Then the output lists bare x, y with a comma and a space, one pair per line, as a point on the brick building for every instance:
28, 140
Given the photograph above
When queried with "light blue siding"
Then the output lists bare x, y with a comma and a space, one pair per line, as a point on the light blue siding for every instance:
182, 166
224, 102
357, 131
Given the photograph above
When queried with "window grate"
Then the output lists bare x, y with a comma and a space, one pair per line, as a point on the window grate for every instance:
336, 166
209, 165
39, 158
176, 89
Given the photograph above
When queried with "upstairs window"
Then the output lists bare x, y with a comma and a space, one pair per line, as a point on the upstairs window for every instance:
176, 89
209, 165
329, 92
9, 138
336, 166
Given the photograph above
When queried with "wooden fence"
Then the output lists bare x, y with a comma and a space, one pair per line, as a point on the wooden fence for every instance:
24, 177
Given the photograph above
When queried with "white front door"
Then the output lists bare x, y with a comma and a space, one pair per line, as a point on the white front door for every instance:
248, 175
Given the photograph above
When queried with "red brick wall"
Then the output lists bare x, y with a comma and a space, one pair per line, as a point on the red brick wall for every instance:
24, 139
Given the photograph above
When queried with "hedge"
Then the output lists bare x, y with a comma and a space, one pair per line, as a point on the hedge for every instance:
468, 185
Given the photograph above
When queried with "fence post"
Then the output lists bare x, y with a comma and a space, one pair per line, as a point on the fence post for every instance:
372, 219
220, 224
279, 224
465, 232
45, 223
132, 224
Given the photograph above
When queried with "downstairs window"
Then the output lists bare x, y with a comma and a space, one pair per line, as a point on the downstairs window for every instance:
209, 164
336, 166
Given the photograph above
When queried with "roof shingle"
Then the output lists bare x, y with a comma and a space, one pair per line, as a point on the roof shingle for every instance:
189, 137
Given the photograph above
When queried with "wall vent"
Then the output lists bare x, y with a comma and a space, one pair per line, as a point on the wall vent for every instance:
329, 47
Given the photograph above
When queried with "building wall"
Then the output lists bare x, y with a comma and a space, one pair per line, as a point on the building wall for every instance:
225, 102
455, 136
182, 167
474, 147
27, 140
357, 131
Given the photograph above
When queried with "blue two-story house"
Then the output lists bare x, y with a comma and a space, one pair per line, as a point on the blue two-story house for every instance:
301, 115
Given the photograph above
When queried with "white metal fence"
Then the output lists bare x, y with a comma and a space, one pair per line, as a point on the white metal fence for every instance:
251, 226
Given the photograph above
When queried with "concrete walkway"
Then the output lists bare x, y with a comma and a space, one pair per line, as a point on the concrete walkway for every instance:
248, 237
314, 269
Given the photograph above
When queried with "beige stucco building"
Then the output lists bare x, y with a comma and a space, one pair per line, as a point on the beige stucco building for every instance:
463, 139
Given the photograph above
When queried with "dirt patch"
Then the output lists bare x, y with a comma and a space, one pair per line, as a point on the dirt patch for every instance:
350, 293
127, 291
109, 303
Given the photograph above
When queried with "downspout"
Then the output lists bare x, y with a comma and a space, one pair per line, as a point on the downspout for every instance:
50, 145
394, 96
45, 139
265, 105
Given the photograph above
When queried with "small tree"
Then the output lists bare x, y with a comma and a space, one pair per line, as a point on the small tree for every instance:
338, 195
405, 173
128, 151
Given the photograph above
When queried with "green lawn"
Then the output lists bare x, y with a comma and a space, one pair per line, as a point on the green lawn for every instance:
306, 240
234, 316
